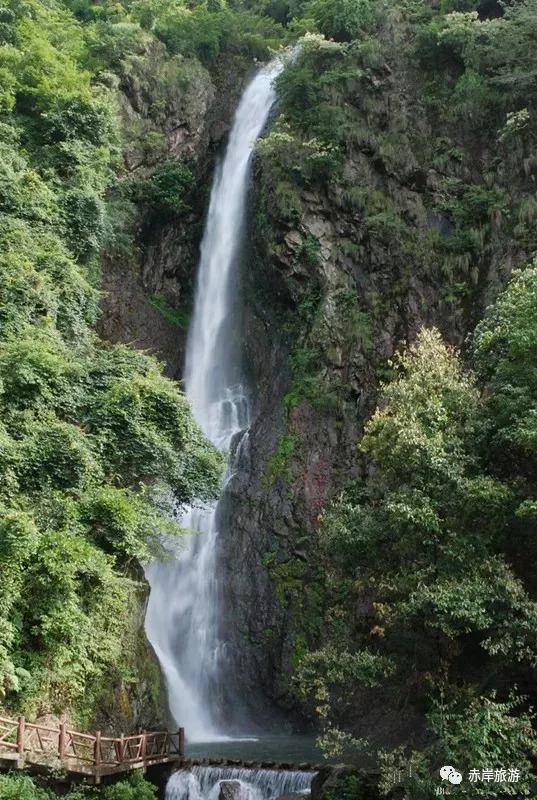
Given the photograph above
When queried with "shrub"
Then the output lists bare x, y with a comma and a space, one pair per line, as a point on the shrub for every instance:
344, 20
134, 788
170, 190
93, 438
112, 42
77, 117
20, 787
84, 216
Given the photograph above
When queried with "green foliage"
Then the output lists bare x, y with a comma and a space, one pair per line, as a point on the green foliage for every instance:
83, 213
321, 672
21, 787
425, 543
284, 154
110, 43
196, 33
306, 363
96, 446
208, 32
425, 496
288, 578
134, 788
278, 464
308, 251
485, 731
174, 315
325, 336
496, 58
505, 349
299, 652
476, 211
355, 324
169, 191
473, 732
346, 788
344, 20
313, 90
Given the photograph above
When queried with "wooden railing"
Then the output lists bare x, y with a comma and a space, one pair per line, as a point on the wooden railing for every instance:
90, 750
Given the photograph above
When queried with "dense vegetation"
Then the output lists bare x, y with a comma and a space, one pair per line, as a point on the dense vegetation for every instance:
433, 547
95, 443
96, 446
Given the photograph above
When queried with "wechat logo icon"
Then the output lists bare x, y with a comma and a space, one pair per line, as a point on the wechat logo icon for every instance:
450, 774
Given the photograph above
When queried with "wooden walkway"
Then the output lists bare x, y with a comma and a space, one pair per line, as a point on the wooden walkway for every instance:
30, 745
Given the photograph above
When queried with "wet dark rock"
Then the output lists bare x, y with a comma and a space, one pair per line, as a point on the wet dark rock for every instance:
233, 790
235, 446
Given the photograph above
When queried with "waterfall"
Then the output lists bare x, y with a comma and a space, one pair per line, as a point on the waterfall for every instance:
182, 615
204, 783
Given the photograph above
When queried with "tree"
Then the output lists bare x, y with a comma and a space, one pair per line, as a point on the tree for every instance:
420, 545
505, 355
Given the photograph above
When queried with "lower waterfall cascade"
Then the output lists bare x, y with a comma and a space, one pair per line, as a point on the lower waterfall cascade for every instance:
204, 783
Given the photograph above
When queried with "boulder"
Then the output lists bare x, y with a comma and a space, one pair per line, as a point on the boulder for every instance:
233, 790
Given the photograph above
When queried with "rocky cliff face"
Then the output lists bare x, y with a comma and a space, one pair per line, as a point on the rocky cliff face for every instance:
136, 701
170, 109
344, 266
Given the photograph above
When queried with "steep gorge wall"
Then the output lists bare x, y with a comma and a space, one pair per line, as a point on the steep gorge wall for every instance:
344, 266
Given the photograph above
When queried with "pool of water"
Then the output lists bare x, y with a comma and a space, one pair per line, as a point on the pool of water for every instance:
279, 747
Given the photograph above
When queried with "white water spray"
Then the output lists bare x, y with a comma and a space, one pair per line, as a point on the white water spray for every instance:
204, 783
182, 615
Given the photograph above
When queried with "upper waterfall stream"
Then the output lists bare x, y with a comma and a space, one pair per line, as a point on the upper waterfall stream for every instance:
183, 610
